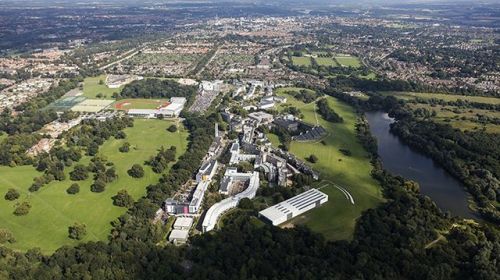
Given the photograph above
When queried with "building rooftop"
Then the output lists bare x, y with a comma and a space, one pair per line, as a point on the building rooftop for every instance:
293, 205
178, 234
183, 222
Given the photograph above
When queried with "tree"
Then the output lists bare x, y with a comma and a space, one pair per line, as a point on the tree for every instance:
120, 135
246, 203
79, 173
73, 189
98, 186
77, 231
6, 236
136, 171
22, 209
313, 158
124, 148
172, 128
123, 199
12, 194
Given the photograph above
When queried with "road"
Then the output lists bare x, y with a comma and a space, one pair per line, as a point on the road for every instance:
128, 54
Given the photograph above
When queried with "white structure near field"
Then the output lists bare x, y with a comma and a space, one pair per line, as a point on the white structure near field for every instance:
171, 110
224, 205
293, 207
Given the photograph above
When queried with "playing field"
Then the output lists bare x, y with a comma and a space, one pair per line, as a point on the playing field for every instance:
348, 61
92, 105
326, 61
301, 60
65, 103
336, 219
53, 210
127, 104
92, 87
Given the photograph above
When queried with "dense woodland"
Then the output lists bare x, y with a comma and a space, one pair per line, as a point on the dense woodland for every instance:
156, 88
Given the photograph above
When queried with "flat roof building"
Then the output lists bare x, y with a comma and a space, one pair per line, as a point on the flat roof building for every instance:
183, 223
178, 236
293, 207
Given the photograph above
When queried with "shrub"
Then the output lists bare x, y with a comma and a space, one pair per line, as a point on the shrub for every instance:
77, 231
136, 171
120, 135
345, 152
98, 186
73, 189
312, 158
124, 148
123, 199
12, 194
6, 236
79, 173
22, 209
172, 128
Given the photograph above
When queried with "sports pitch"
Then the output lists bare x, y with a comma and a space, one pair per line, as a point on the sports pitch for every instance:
127, 104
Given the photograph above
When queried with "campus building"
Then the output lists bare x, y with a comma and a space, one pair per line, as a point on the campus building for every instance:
220, 207
171, 110
293, 207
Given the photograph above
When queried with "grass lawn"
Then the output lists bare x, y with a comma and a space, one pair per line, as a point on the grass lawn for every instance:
3, 136
442, 96
53, 210
326, 61
137, 103
347, 61
301, 60
461, 118
91, 88
275, 141
336, 219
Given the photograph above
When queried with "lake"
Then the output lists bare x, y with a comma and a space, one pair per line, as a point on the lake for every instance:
446, 191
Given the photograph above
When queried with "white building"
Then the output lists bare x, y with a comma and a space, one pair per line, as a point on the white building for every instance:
183, 223
178, 236
219, 208
294, 206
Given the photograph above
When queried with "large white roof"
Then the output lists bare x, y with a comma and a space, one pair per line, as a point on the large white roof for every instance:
183, 222
294, 205
178, 234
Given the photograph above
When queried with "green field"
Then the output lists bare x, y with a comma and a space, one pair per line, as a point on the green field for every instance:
139, 103
301, 60
53, 210
461, 118
91, 88
442, 96
348, 61
336, 219
326, 61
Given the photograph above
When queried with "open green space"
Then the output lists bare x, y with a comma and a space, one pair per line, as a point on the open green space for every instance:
348, 61
301, 60
326, 61
442, 96
92, 87
461, 118
53, 210
336, 218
